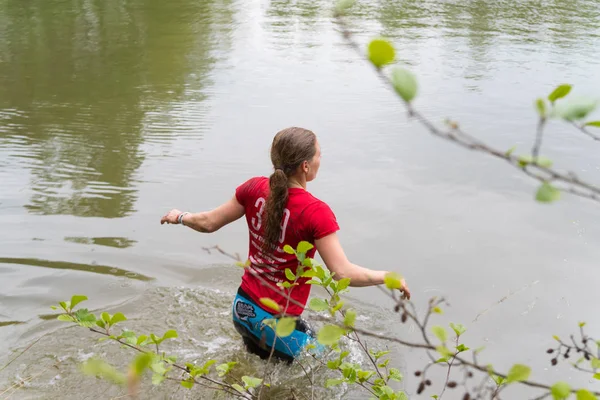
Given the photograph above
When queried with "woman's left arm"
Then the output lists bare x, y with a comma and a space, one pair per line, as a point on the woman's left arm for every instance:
208, 221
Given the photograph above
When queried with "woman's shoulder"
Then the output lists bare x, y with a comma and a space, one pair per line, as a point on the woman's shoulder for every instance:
252, 187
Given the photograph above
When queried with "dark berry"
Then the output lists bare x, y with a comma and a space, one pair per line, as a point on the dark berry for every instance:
550, 351
417, 373
421, 388
554, 361
467, 396
428, 382
451, 384
404, 317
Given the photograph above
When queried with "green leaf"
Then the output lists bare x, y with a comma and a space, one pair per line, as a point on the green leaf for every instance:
330, 334
404, 83
343, 284
207, 365
395, 374
54, 307
118, 317
154, 338
593, 123
576, 109
440, 333
157, 379
333, 382
170, 334
560, 92
540, 105
106, 371
459, 329
66, 305
289, 249
525, 160
392, 280
461, 347
270, 322
597, 376
106, 317
560, 390
285, 326
342, 6
158, 367
100, 323
76, 299
510, 151
547, 193
141, 339
224, 369
289, 274
379, 354
190, 384
595, 363
65, 318
270, 303
444, 351
317, 304
238, 388
364, 376
381, 52
437, 310
556, 338
251, 382
581, 324
518, 373
141, 362
350, 318
337, 307
85, 318
304, 247
384, 364
583, 394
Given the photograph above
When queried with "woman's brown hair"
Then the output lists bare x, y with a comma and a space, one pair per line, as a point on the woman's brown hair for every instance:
290, 148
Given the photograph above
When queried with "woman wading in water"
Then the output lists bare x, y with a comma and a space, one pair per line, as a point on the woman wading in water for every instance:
279, 211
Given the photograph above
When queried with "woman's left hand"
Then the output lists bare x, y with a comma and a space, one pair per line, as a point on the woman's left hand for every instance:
171, 217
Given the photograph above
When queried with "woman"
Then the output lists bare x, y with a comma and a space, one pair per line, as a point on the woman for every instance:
280, 211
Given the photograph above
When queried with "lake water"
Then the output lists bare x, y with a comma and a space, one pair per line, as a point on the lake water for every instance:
114, 112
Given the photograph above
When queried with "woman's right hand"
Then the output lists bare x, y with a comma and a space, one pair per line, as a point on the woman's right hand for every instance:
405, 290
170, 217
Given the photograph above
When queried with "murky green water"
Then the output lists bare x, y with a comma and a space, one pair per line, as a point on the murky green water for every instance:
112, 112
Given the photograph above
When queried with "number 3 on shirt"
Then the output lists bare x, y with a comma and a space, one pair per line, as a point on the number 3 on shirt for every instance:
257, 220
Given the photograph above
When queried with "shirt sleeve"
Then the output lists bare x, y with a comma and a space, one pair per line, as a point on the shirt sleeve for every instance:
242, 192
322, 221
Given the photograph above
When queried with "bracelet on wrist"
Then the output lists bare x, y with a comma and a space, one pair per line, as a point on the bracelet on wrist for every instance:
180, 217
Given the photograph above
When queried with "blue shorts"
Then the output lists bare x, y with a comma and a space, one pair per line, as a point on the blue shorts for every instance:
248, 320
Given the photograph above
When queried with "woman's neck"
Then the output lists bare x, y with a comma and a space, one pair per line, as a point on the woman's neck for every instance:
294, 182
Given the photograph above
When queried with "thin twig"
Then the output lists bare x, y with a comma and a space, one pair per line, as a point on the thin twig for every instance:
541, 173
21, 353
538, 139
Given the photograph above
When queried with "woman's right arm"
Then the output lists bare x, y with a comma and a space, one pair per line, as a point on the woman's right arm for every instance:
332, 253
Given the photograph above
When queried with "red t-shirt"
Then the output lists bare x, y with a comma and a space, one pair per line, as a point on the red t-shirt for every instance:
305, 218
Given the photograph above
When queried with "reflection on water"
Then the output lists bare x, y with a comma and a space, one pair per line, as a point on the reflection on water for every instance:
118, 242
83, 85
94, 268
6, 323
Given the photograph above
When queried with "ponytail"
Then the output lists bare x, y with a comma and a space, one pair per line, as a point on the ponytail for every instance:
274, 208
290, 148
